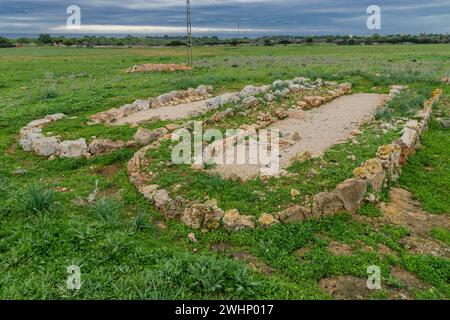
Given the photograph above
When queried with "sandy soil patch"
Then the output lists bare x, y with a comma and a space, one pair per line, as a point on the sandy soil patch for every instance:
320, 129
168, 113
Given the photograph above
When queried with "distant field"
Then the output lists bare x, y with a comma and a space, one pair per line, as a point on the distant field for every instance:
122, 261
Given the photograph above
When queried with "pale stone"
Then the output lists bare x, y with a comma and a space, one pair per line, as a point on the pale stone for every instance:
45, 146
267, 220
73, 148
232, 220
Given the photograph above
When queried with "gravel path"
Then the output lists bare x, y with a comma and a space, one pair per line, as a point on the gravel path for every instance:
169, 113
322, 128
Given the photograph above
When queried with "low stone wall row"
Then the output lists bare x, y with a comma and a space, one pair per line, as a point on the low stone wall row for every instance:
32, 139
172, 98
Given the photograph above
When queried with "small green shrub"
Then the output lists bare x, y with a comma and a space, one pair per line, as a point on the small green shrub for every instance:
140, 223
39, 199
107, 210
382, 114
49, 93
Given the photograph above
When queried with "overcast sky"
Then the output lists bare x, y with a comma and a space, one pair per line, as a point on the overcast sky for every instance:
152, 17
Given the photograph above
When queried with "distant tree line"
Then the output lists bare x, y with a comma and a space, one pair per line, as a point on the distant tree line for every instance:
173, 41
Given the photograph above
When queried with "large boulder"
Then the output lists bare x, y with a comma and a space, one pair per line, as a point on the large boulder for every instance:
45, 146
73, 148
101, 146
27, 138
326, 204
232, 220
145, 137
351, 192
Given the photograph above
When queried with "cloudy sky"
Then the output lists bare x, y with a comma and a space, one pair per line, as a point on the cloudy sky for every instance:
219, 17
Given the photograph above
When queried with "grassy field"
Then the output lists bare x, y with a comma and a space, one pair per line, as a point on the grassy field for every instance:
45, 230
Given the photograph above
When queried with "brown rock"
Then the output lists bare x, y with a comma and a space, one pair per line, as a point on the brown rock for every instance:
145, 137
326, 204
351, 192
100, 146
294, 214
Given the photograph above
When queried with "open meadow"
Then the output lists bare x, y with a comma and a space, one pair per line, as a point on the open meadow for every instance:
85, 211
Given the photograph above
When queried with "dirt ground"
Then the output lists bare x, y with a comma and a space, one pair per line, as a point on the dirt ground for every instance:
169, 113
322, 128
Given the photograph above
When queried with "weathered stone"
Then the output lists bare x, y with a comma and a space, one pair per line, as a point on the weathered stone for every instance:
375, 174
202, 216
161, 199
101, 146
294, 214
410, 138
249, 91
145, 137
45, 146
73, 148
267, 220
232, 220
250, 102
28, 137
269, 97
326, 204
413, 124
149, 191
351, 192
280, 113
303, 156
172, 127
295, 88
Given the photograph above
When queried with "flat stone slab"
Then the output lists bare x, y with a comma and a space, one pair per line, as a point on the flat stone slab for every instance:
320, 129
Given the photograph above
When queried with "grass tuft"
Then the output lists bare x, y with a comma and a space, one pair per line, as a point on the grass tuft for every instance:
107, 210
39, 199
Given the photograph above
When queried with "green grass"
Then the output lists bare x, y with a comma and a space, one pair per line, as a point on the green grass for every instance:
122, 252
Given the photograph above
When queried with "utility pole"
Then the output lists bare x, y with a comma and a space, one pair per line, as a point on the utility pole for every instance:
238, 31
189, 32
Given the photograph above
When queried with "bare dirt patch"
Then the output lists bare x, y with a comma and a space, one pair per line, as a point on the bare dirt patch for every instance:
340, 249
405, 211
346, 288
150, 67
253, 262
320, 129
168, 113
110, 170
411, 282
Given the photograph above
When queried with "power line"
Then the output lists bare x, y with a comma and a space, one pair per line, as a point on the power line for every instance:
189, 32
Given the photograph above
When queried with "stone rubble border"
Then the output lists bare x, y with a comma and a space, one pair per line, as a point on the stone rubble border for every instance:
32, 139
